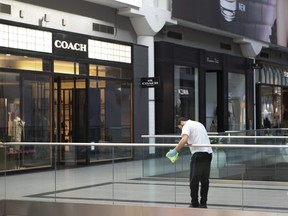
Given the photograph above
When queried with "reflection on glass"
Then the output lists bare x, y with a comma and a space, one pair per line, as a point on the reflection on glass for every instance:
108, 71
211, 102
110, 103
236, 102
271, 107
185, 93
25, 117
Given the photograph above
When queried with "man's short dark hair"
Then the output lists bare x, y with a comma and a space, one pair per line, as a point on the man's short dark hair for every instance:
182, 119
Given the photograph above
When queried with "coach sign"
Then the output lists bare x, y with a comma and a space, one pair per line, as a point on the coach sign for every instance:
150, 82
69, 45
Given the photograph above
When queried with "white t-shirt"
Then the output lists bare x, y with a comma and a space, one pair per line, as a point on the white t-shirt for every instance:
197, 135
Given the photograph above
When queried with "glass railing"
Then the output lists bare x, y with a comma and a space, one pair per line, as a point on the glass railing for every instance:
248, 173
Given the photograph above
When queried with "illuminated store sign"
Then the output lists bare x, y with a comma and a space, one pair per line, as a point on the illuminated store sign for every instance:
70, 45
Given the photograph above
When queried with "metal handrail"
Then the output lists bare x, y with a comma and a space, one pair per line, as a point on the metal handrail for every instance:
217, 136
146, 145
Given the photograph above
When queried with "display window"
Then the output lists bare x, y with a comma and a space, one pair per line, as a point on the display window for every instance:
110, 103
236, 102
25, 117
271, 106
186, 101
211, 102
272, 97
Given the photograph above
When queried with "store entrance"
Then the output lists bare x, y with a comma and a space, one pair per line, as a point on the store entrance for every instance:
70, 116
225, 101
211, 102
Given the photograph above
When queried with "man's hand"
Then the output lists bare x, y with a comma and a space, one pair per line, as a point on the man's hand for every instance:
172, 155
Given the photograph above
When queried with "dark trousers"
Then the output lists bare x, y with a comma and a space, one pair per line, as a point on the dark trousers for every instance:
200, 166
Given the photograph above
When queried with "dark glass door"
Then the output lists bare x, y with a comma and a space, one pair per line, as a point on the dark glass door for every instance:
70, 116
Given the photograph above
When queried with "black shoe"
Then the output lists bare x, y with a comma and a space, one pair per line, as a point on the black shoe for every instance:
193, 206
202, 206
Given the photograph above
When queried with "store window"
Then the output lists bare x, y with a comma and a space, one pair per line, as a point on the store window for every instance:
211, 102
186, 101
20, 62
273, 96
236, 102
273, 75
66, 67
10, 105
36, 108
108, 71
110, 117
271, 106
25, 117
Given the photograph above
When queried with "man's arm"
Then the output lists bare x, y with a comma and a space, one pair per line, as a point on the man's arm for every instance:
182, 142
173, 153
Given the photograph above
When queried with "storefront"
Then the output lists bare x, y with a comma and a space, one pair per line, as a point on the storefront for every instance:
206, 86
272, 96
63, 87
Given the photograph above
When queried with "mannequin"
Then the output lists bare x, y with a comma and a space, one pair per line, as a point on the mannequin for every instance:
17, 129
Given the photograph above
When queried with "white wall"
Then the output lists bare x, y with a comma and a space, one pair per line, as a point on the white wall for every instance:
78, 19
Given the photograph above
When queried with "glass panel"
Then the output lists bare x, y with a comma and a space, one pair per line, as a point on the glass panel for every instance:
285, 77
70, 115
271, 106
284, 123
211, 101
185, 93
38, 182
36, 113
36, 108
92, 70
111, 120
236, 102
240, 178
91, 184
111, 72
20, 62
66, 67
25, 117
10, 104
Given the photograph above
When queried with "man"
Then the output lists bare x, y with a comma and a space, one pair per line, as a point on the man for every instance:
194, 132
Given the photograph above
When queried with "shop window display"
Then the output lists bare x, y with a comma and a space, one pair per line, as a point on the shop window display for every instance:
271, 107
185, 93
236, 102
24, 102
273, 83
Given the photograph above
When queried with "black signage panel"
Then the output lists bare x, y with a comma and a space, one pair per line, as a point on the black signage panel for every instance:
70, 45
257, 66
150, 82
